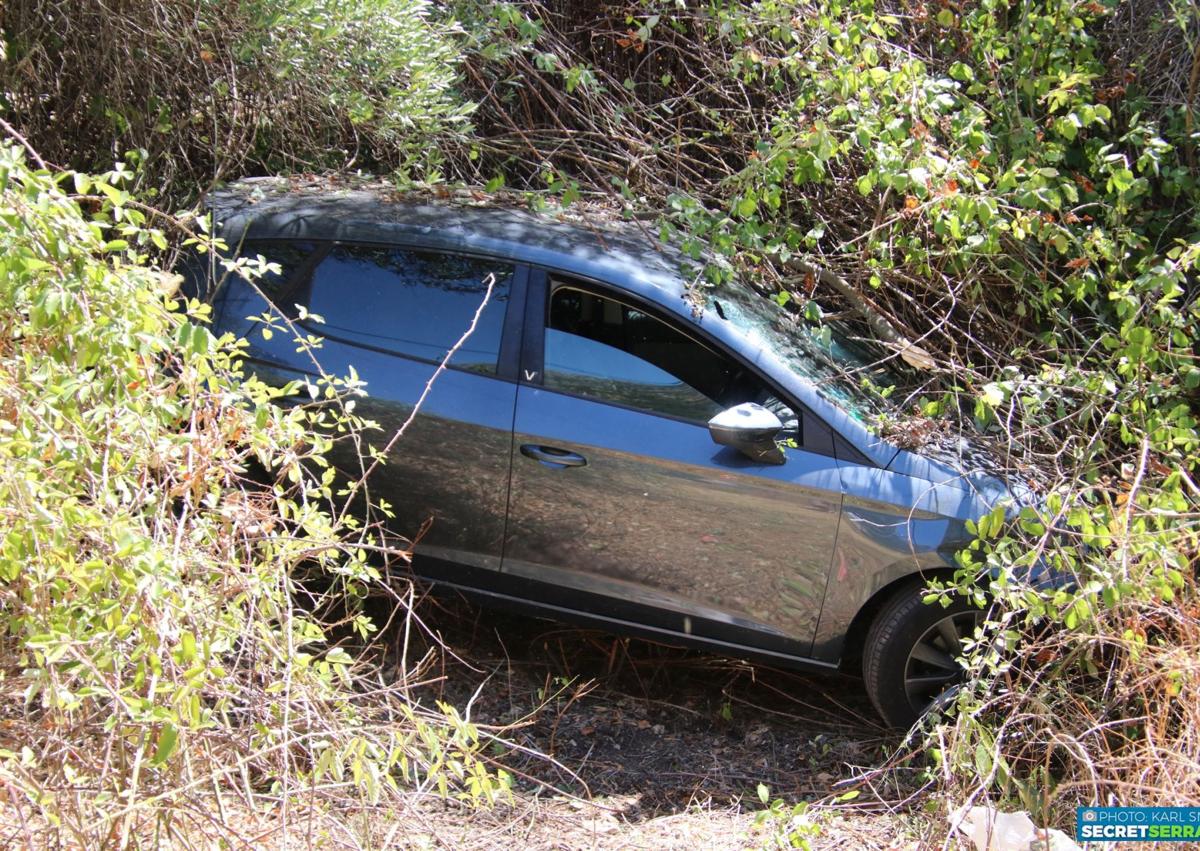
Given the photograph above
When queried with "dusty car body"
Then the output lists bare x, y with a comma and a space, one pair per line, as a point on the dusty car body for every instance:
565, 464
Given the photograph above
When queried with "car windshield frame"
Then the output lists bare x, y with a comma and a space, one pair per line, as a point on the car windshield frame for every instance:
828, 357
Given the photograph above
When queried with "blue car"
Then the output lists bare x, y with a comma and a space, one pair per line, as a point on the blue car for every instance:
607, 446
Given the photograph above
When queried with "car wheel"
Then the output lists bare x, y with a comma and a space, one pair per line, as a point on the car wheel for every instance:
910, 661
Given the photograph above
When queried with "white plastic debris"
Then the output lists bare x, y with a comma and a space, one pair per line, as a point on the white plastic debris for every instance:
991, 830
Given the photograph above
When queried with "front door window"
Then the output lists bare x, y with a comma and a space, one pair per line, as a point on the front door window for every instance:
602, 348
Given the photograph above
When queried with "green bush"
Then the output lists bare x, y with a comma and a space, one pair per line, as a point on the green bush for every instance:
154, 642
1005, 195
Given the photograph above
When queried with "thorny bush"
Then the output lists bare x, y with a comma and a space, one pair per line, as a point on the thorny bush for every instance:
201, 91
1004, 195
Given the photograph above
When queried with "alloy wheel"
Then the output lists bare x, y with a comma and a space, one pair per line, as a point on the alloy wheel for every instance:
932, 669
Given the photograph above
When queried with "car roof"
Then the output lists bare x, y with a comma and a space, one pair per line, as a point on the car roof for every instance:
587, 239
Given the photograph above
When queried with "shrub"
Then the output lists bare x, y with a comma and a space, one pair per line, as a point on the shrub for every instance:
154, 642
1006, 196
205, 90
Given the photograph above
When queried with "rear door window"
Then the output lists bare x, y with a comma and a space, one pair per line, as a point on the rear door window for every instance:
412, 303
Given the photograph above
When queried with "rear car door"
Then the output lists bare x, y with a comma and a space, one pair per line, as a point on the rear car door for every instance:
392, 313
622, 506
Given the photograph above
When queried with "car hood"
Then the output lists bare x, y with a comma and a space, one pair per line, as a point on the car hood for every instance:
968, 463
970, 466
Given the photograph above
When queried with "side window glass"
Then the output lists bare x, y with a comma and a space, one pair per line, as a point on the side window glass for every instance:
411, 303
585, 367
604, 349
238, 301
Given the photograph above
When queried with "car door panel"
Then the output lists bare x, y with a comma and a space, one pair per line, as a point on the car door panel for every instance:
662, 517
446, 478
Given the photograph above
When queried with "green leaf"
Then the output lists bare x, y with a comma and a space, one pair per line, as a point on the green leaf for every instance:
993, 395
167, 739
200, 338
983, 760
187, 647
1120, 180
1066, 128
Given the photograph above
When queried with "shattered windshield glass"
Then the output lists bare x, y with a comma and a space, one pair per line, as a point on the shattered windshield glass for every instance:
842, 369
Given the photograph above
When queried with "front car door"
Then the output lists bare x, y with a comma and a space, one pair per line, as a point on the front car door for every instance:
622, 506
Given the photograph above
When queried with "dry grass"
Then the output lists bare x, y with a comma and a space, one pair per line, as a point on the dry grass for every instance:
1111, 718
615, 743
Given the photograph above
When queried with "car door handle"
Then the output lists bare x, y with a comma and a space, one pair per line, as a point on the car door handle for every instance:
552, 456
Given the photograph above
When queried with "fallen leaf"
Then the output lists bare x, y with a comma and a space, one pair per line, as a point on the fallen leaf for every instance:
917, 357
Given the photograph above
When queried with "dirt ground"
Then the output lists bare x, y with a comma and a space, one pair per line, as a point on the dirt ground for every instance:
652, 747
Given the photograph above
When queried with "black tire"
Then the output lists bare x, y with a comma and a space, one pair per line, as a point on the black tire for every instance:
908, 660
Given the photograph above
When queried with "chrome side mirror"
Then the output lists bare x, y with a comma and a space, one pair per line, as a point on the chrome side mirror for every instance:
751, 429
